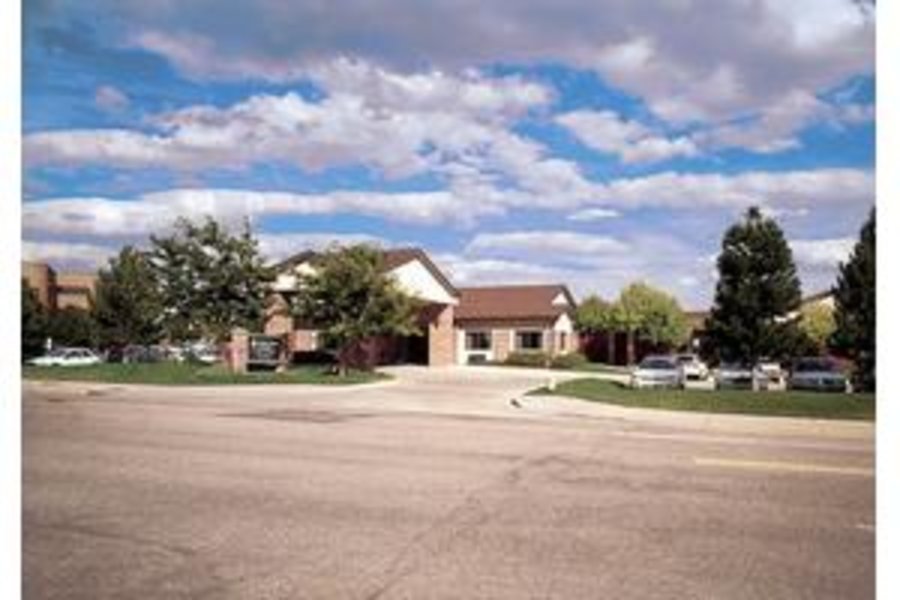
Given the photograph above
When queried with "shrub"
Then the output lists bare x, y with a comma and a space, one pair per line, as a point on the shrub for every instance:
527, 359
573, 360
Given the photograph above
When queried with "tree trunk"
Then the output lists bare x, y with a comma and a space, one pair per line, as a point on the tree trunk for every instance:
630, 347
611, 347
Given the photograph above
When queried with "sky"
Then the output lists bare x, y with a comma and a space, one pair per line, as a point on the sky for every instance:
583, 142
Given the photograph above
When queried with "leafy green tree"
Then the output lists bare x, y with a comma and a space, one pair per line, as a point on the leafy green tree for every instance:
34, 323
597, 316
817, 324
854, 297
648, 313
128, 303
211, 281
73, 326
349, 298
758, 287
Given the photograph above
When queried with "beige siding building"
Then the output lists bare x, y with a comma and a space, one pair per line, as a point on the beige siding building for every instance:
56, 291
458, 326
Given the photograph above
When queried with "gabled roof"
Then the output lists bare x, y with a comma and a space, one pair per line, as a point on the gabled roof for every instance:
392, 259
509, 302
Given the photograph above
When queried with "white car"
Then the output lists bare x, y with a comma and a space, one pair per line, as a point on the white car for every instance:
769, 376
656, 371
692, 368
66, 357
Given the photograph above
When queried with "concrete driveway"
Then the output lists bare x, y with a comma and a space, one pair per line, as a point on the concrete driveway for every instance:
433, 486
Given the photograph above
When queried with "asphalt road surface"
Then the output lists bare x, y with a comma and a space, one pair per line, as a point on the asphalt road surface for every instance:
433, 486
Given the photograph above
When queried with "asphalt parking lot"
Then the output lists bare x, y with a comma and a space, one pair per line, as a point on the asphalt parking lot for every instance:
434, 485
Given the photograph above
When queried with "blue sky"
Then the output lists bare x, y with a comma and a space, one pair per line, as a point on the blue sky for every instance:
577, 142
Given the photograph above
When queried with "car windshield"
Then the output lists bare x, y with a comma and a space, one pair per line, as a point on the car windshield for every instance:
686, 358
657, 363
815, 364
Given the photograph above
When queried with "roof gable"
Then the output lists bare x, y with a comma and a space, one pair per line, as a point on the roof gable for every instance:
393, 261
514, 302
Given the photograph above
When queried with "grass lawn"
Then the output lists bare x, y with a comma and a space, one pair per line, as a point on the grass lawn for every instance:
786, 404
170, 373
586, 367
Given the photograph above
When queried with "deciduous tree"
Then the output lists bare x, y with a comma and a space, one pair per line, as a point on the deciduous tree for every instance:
349, 298
128, 303
34, 323
211, 280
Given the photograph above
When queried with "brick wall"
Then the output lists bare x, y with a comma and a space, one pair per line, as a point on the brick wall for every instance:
442, 338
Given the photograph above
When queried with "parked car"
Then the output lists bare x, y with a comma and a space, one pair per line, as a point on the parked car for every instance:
692, 368
734, 375
206, 354
656, 371
769, 376
819, 374
66, 357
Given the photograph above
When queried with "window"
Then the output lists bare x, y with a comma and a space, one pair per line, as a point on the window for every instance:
529, 340
478, 340
562, 340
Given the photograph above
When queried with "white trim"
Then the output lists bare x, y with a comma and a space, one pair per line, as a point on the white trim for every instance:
416, 280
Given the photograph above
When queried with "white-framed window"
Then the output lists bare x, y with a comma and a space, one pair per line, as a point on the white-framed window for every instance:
478, 340
562, 340
529, 340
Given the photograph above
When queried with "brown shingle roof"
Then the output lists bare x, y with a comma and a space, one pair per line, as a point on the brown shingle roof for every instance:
391, 259
512, 302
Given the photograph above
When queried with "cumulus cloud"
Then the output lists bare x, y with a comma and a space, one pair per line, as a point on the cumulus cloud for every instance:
772, 189
794, 191
631, 141
821, 254
457, 127
594, 214
562, 243
68, 255
689, 60
156, 211
110, 98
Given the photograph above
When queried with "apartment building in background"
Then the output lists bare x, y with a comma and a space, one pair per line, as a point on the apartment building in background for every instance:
59, 290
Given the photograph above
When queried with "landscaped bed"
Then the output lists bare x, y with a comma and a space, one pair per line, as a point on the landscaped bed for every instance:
170, 373
786, 404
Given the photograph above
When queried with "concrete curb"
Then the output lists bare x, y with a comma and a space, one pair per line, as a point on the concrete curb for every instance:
555, 404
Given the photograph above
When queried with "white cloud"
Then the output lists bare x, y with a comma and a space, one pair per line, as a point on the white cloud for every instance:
460, 205
594, 214
631, 141
822, 254
562, 244
156, 211
687, 59
278, 246
776, 128
455, 126
772, 189
110, 98
68, 255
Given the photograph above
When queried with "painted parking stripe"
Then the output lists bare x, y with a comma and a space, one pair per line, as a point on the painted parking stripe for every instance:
792, 467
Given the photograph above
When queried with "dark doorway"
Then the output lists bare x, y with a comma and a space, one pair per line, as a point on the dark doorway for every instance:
416, 351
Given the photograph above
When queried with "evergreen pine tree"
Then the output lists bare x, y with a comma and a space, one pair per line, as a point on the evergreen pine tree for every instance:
854, 297
758, 286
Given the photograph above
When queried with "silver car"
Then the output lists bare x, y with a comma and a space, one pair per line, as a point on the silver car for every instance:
692, 368
656, 371
734, 375
818, 374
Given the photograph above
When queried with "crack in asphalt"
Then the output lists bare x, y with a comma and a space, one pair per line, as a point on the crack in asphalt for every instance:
470, 513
